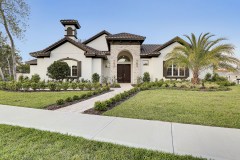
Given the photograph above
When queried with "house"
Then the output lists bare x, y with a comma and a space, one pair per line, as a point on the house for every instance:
122, 56
231, 76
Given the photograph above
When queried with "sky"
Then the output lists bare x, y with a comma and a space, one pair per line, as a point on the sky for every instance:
158, 20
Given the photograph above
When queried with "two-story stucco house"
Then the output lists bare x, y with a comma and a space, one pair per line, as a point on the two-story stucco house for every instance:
121, 56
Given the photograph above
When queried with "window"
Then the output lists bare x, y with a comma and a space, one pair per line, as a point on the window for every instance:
122, 59
174, 71
74, 71
69, 31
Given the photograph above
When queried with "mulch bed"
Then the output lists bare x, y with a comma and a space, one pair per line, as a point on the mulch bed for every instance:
55, 106
95, 112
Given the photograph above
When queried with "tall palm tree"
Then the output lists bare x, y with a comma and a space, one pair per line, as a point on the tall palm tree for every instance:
202, 53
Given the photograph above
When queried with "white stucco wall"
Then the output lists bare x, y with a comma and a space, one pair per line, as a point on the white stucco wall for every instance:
67, 50
99, 43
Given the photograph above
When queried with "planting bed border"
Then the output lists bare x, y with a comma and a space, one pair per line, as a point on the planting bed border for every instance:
56, 106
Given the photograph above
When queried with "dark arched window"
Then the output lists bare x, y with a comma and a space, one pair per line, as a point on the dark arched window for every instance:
69, 31
74, 71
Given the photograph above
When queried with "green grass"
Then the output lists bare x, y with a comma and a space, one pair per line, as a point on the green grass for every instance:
221, 108
34, 99
23, 143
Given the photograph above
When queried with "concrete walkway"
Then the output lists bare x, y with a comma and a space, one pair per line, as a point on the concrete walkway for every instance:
199, 141
87, 104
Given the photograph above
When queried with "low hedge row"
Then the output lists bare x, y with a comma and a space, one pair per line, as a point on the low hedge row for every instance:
104, 105
52, 86
83, 96
183, 85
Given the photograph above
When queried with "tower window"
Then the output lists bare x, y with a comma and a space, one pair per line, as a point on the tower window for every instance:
69, 31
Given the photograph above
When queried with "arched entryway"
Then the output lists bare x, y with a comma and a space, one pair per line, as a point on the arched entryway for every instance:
124, 65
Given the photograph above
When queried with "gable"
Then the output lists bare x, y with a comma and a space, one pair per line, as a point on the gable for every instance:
67, 49
168, 49
99, 43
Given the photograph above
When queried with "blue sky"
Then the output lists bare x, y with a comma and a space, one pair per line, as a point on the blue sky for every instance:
158, 20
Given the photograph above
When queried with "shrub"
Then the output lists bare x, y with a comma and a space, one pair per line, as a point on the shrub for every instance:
26, 86
35, 78
115, 85
100, 106
65, 86
34, 86
58, 70
118, 97
18, 86
52, 86
3, 85
146, 77
75, 98
89, 94
69, 99
106, 88
59, 86
42, 85
89, 86
21, 78
208, 77
96, 85
166, 85
82, 96
95, 78
74, 85
81, 86
60, 102
108, 102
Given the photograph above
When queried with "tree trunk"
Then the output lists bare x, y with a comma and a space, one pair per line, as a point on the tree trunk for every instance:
9, 68
1, 74
12, 43
195, 79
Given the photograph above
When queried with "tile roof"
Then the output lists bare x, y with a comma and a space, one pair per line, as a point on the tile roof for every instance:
125, 36
70, 22
32, 62
96, 36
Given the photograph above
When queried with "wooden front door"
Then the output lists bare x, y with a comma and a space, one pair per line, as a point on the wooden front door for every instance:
124, 73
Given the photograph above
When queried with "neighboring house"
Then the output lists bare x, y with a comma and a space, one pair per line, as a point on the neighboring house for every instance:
121, 56
231, 76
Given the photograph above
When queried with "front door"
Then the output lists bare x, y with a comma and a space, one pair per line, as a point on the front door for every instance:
124, 73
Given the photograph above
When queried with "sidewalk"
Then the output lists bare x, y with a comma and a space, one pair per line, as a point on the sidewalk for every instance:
87, 104
199, 141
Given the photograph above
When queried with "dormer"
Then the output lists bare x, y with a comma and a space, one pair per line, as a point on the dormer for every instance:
71, 27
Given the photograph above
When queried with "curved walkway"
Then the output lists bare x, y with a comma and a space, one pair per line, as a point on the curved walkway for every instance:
87, 104
199, 141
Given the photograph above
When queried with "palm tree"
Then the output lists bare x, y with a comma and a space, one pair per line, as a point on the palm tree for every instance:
202, 53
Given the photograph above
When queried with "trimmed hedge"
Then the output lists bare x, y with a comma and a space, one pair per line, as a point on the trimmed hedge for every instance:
26, 85
82, 96
104, 105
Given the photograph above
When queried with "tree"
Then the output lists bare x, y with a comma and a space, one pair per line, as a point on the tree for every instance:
95, 78
23, 68
58, 70
146, 77
13, 16
202, 53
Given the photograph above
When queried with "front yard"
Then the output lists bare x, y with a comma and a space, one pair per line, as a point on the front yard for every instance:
220, 108
23, 143
35, 99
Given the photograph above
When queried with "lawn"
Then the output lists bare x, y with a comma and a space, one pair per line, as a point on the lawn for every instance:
24, 143
221, 108
34, 99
